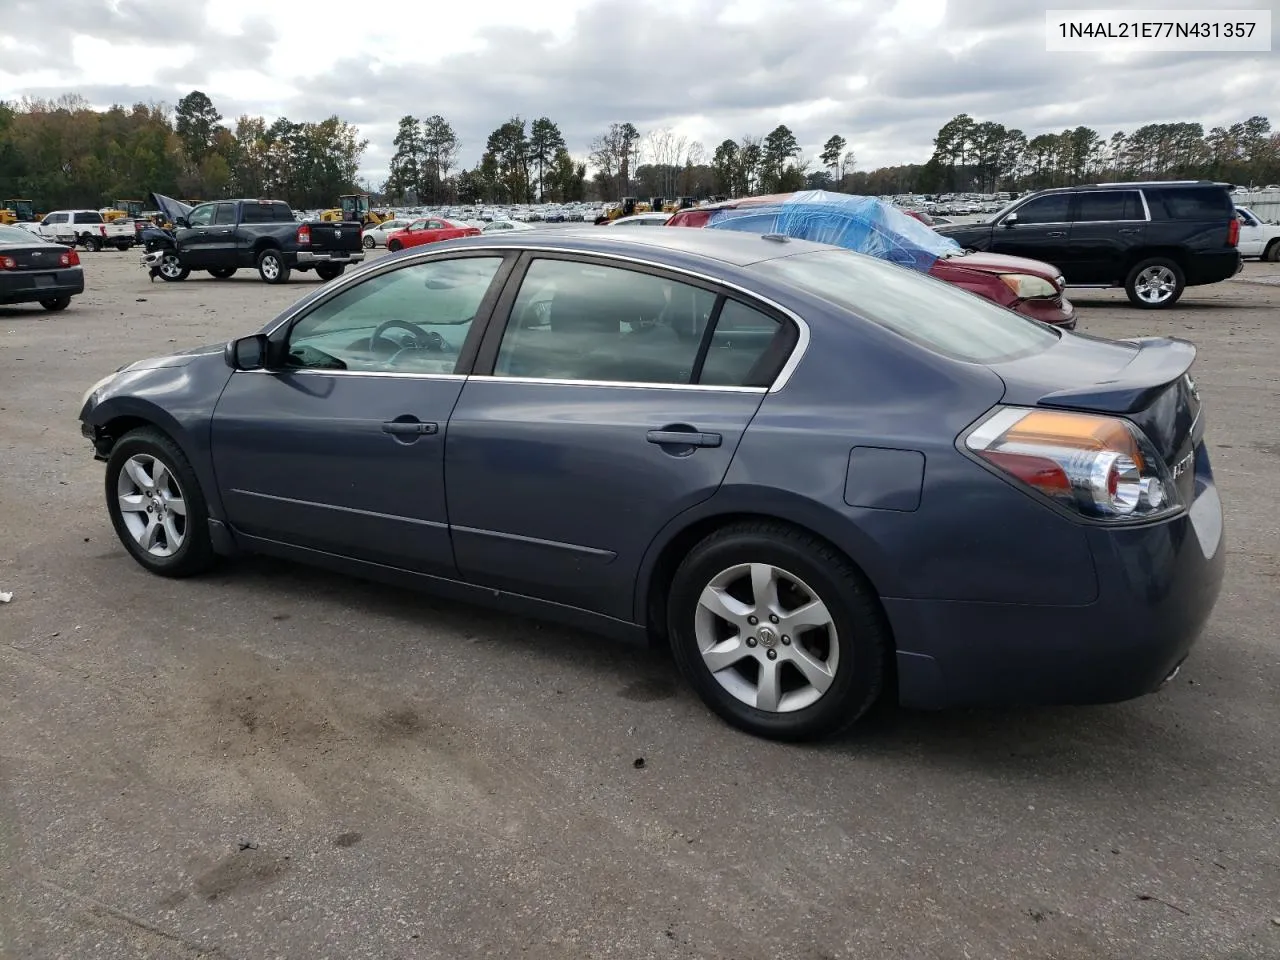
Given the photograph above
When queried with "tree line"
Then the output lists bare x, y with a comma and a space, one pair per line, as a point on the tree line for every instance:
63, 153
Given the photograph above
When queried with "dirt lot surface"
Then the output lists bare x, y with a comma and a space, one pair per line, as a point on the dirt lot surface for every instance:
277, 762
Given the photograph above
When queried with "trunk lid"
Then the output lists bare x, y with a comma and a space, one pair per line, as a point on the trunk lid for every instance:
1145, 380
38, 256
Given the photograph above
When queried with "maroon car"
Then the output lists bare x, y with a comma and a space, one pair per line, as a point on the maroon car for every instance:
1029, 287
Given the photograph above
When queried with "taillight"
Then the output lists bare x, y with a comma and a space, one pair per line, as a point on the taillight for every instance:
1099, 467
8, 263
70, 259
102, 231
304, 235
1233, 232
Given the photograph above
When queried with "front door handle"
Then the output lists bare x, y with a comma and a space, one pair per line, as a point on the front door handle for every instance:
1129, 231
684, 438
1056, 233
409, 428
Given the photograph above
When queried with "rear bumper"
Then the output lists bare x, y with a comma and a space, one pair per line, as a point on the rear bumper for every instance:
307, 258
22, 287
1158, 585
1205, 268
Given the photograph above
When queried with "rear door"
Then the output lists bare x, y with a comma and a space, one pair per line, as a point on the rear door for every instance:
1106, 226
220, 247
601, 408
1041, 231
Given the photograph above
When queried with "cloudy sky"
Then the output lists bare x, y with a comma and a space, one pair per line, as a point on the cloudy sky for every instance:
885, 74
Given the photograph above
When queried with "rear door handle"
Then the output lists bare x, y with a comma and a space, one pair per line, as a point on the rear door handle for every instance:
1129, 231
1056, 233
684, 438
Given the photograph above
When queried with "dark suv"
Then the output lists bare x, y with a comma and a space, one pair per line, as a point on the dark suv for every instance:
1153, 239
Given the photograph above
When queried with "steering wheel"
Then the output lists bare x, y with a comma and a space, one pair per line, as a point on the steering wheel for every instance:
419, 339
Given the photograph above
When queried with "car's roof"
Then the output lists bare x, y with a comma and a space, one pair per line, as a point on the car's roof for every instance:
1133, 184
723, 246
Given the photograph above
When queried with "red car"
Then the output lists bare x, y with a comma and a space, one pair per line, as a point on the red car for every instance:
1029, 287
429, 230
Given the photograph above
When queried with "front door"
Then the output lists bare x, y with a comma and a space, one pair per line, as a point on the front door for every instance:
602, 417
1107, 226
1252, 241
196, 239
1040, 230
341, 447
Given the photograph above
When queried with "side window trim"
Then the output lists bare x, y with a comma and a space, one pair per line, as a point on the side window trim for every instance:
487, 354
279, 334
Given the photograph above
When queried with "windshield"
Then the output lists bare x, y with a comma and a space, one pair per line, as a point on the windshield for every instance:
934, 314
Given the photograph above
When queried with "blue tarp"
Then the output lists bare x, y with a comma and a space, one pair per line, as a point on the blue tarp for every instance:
863, 224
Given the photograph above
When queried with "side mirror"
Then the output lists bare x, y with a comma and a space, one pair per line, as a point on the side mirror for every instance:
247, 353
181, 222
1010, 221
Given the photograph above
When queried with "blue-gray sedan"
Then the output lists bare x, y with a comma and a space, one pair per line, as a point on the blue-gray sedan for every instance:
818, 476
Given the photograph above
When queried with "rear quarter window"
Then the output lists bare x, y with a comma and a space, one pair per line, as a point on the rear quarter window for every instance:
1189, 203
936, 315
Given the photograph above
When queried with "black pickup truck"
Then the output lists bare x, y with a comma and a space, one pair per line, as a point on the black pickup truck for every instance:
225, 235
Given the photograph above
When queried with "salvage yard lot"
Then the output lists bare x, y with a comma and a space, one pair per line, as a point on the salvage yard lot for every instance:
278, 762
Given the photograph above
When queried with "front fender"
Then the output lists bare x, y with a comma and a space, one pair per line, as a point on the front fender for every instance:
176, 400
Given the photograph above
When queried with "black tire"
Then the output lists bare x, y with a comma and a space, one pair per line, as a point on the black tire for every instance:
92, 243
195, 553
123, 247
222, 273
271, 266
329, 271
169, 261
1272, 253
369, 243
394, 245
861, 632
54, 304
1149, 271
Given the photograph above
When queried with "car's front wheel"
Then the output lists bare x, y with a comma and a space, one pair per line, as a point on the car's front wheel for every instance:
394, 245
369, 243
1272, 253
777, 632
1155, 283
156, 505
171, 269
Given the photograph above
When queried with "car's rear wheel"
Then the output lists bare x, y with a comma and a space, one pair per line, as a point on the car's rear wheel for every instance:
54, 304
171, 269
369, 243
1155, 283
92, 243
394, 245
329, 271
272, 268
777, 632
223, 273
123, 247
156, 505
1272, 253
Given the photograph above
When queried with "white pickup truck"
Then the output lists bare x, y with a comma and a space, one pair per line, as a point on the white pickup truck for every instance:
87, 228
1258, 238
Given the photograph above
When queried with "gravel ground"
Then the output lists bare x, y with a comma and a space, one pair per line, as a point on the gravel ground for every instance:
277, 762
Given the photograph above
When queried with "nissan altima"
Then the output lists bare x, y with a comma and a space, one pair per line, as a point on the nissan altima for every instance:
819, 477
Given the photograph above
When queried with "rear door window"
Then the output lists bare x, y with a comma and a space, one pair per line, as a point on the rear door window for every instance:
1104, 206
225, 215
89, 216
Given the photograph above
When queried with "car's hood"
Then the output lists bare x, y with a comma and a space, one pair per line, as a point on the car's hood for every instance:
180, 359
1000, 263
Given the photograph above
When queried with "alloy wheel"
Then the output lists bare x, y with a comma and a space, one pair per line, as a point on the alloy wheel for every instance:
152, 505
1156, 284
170, 266
766, 637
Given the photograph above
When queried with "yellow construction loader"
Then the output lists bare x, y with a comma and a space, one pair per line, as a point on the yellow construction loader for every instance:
354, 207
18, 211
